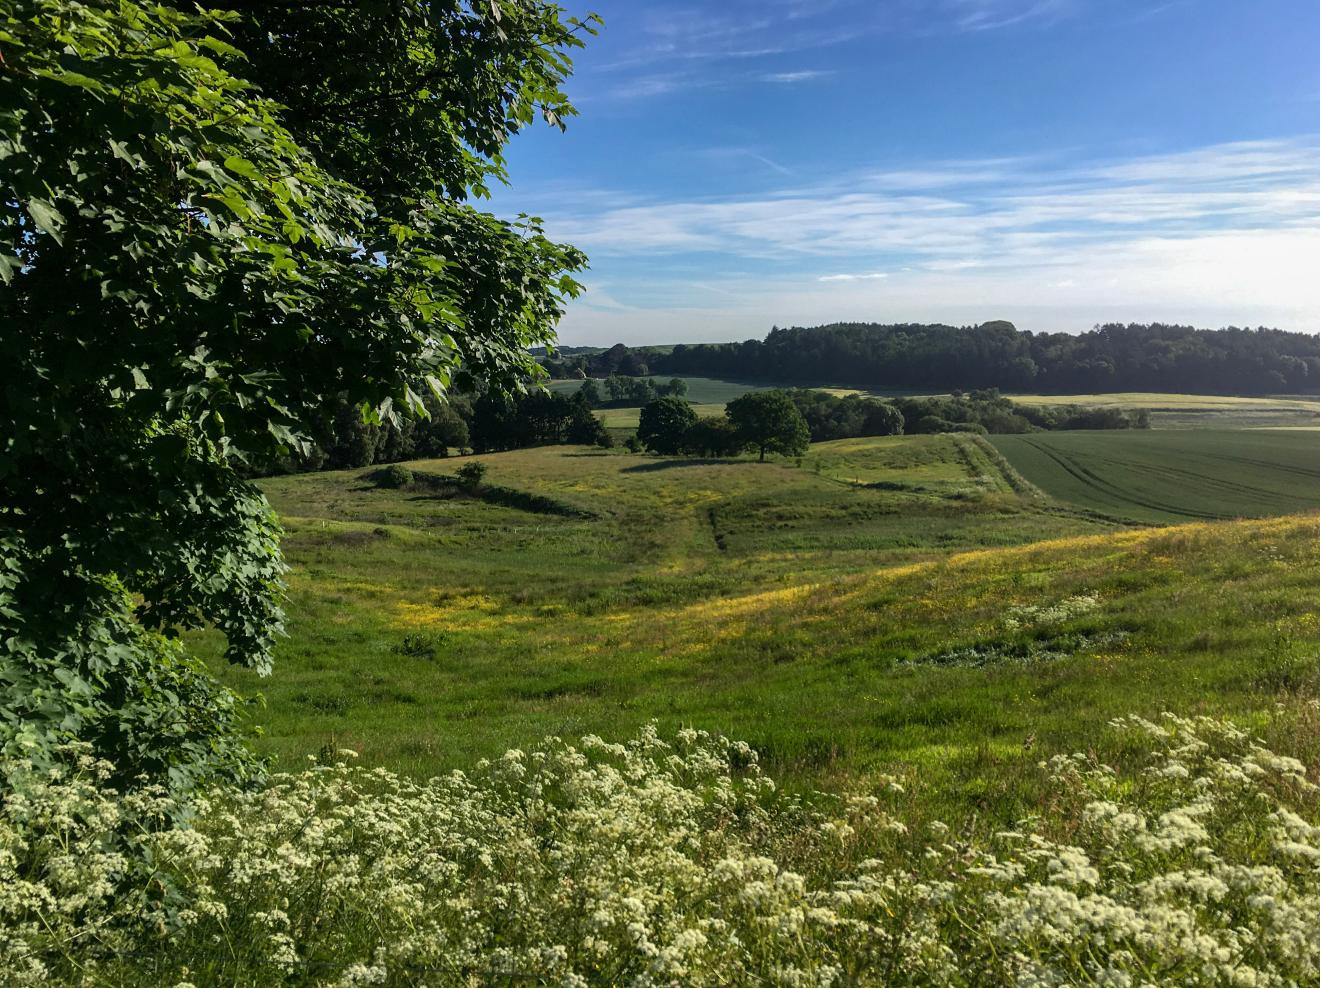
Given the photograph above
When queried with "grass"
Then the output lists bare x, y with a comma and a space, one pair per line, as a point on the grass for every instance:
1170, 476
885, 606
628, 418
701, 390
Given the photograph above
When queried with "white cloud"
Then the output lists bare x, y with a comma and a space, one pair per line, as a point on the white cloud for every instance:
990, 15
1223, 234
791, 78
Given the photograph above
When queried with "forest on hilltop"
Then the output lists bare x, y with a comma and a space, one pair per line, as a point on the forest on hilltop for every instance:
1134, 357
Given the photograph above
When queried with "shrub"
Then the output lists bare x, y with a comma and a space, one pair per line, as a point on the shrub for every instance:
393, 477
471, 475
657, 862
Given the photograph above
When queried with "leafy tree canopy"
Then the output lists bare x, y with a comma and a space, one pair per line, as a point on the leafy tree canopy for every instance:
663, 424
770, 422
214, 224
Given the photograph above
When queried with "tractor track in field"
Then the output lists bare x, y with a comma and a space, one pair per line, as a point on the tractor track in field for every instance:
1090, 479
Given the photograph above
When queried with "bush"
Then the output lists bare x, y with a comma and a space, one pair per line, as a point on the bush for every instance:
657, 862
471, 475
392, 477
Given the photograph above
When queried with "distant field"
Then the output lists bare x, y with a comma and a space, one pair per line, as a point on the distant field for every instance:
1173, 476
701, 390
628, 418
1178, 411
1168, 411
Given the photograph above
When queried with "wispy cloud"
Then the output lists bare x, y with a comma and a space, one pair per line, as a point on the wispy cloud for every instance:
950, 213
790, 78
991, 15
1231, 228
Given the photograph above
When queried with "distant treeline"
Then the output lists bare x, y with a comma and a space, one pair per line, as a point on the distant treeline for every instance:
344, 440
987, 411
1152, 357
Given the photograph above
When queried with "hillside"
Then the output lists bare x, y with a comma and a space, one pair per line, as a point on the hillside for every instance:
891, 604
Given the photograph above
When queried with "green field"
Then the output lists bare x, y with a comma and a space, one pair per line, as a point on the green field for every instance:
1172, 476
1181, 411
903, 604
1167, 411
628, 418
701, 390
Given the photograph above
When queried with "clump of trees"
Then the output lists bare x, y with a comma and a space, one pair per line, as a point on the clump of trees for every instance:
832, 417
785, 421
664, 423
767, 421
987, 411
622, 391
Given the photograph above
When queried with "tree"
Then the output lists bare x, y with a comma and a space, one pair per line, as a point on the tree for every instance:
676, 387
584, 429
712, 437
769, 421
664, 423
213, 225
589, 392
882, 419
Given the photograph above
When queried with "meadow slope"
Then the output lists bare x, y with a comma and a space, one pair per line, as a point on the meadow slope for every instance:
892, 603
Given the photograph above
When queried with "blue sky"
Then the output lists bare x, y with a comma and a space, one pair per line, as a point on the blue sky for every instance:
744, 163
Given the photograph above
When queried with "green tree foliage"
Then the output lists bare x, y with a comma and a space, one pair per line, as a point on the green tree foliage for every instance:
712, 437
769, 422
1154, 357
629, 390
213, 225
471, 475
831, 417
989, 411
663, 425
590, 393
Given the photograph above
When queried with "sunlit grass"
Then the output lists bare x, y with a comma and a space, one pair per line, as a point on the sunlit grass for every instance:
843, 630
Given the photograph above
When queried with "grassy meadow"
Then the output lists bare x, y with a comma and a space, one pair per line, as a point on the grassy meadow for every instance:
701, 390
920, 605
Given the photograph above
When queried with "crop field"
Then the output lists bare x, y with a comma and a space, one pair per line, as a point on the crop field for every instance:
1179, 411
1157, 477
628, 418
902, 604
701, 390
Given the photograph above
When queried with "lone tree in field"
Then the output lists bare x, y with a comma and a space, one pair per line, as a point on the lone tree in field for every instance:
664, 424
769, 422
213, 224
